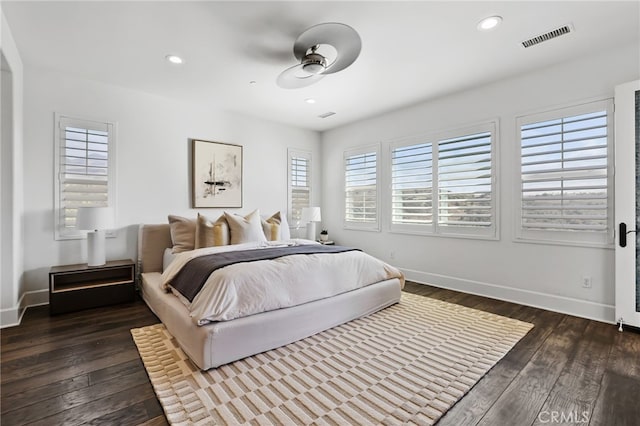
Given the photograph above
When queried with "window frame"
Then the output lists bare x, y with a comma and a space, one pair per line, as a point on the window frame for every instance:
557, 236
62, 120
353, 152
291, 154
435, 228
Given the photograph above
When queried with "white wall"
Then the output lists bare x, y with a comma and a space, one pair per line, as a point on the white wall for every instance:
152, 155
548, 276
11, 181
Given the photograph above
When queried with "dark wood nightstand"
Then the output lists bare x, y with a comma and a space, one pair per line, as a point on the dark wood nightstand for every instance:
75, 287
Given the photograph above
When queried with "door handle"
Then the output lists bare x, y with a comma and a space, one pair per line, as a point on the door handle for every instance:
623, 233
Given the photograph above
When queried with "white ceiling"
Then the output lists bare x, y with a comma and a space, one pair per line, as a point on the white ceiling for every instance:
412, 51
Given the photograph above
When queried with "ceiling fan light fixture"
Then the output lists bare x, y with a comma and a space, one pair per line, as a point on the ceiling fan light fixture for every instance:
313, 68
314, 63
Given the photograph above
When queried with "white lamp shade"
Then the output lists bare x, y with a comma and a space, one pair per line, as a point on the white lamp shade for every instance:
92, 218
311, 214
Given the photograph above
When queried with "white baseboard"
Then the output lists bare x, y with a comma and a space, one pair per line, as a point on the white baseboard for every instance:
35, 298
11, 317
551, 302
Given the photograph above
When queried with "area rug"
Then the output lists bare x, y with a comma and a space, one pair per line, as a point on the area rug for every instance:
408, 363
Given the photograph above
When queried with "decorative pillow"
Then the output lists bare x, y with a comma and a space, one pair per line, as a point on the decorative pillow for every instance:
285, 232
245, 229
183, 233
209, 233
276, 227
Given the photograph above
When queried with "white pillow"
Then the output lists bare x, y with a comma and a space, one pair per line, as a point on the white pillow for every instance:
245, 229
285, 232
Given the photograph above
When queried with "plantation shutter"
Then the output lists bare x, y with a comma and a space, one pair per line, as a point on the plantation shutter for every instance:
564, 172
300, 184
83, 170
361, 190
411, 185
465, 181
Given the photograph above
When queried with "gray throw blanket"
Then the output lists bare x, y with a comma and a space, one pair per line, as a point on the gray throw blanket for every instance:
191, 278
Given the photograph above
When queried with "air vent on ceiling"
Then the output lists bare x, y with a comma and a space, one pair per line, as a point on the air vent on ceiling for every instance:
566, 29
326, 114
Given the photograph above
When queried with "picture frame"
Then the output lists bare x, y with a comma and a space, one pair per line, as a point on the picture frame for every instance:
216, 174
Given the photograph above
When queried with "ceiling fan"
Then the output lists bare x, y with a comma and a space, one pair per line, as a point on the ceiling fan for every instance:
313, 47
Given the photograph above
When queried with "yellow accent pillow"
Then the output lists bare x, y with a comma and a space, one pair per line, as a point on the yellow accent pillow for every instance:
276, 227
211, 234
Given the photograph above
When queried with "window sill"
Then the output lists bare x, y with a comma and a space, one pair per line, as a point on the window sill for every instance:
113, 233
447, 235
580, 244
357, 228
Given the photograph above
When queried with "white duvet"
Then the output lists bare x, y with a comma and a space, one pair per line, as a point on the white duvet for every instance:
253, 287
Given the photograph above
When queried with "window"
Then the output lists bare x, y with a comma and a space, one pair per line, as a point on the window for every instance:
411, 185
566, 175
361, 188
84, 170
299, 184
443, 184
465, 196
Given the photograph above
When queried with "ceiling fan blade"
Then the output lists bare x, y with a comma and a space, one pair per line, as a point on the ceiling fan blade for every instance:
342, 37
295, 77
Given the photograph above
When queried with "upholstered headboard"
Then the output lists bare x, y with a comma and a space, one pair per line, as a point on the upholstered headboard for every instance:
152, 241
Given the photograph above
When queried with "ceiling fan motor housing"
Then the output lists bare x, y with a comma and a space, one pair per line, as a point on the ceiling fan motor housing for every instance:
314, 63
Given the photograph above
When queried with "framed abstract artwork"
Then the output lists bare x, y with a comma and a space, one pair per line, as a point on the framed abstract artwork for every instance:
216, 173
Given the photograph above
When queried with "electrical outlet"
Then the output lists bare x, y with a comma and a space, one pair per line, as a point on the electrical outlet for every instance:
586, 282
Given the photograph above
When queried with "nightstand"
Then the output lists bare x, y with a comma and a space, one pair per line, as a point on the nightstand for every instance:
75, 287
327, 243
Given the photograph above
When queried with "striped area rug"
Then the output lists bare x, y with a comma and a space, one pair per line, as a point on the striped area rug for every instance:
407, 364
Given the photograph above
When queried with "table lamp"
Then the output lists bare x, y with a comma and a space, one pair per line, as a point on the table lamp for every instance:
95, 220
311, 215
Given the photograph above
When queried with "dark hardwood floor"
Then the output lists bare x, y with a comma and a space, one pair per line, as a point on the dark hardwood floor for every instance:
83, 368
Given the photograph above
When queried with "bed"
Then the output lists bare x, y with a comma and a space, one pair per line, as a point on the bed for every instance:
220, 342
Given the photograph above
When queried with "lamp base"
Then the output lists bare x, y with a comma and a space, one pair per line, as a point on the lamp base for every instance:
311, 231
95, 248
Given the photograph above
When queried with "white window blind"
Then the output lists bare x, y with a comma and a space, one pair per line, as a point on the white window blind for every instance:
566, 174
465, 181
411, 184
84, 170
299, 184
443, 183
361, 188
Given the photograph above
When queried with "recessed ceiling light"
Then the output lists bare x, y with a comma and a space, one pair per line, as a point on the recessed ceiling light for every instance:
174, 59
310, 101
253, 82
489, 23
